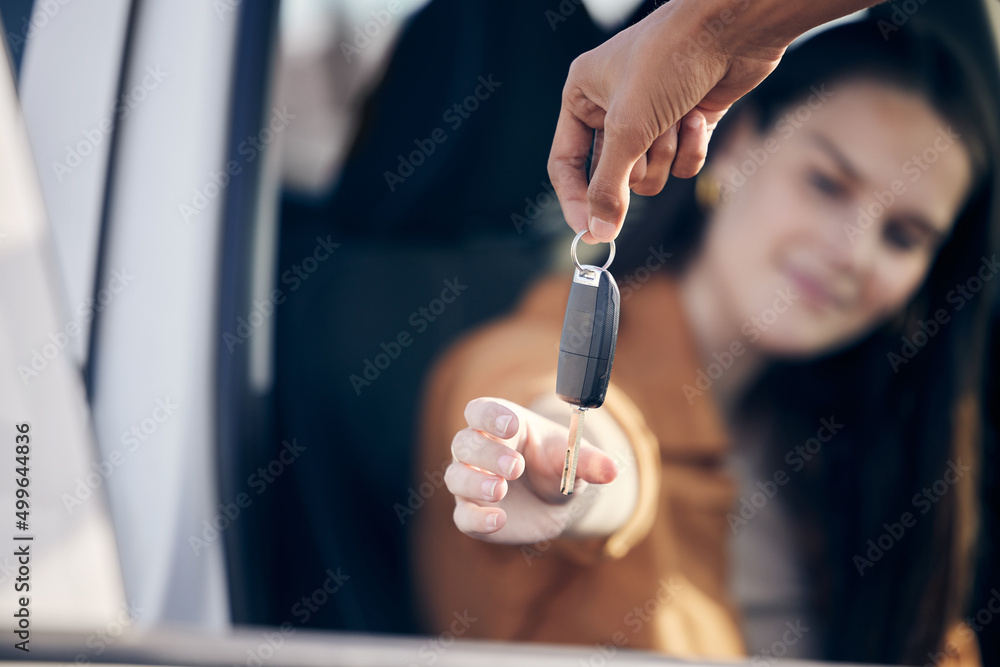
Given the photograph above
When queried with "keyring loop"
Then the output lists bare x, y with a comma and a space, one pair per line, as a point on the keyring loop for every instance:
572, 251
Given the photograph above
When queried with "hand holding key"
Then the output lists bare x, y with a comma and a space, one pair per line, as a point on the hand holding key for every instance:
506, 473
508, 462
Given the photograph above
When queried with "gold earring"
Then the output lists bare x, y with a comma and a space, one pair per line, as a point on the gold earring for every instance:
707, 191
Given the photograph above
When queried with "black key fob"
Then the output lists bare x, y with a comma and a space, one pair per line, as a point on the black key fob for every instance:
589, 335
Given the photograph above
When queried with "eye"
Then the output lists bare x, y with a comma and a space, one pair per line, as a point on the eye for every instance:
900, 236
827, 185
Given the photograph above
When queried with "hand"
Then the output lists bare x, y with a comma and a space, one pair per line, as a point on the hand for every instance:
506, 472
654, 93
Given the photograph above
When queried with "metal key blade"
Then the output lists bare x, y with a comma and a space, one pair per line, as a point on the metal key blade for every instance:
572, 451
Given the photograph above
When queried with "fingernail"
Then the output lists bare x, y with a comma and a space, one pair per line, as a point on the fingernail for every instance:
502, 424
490, 487
507, 464
601, 230
491, 521
693, 122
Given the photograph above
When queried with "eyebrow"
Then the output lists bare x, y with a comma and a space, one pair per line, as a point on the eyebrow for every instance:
838, 156
845, 165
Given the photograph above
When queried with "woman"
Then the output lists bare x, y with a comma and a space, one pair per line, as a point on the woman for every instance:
786, 460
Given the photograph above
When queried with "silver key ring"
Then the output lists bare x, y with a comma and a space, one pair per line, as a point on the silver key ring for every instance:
572, 252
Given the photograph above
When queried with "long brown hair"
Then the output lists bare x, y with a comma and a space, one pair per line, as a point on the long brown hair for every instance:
909, 421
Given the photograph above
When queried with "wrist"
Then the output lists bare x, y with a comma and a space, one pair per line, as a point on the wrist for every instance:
701, 32
760, 29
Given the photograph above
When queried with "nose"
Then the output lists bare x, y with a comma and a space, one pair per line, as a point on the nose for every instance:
851, 241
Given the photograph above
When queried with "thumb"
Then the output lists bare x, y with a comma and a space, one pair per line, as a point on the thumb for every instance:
608, 193
595, 466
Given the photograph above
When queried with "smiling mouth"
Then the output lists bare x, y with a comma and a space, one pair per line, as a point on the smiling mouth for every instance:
813, 291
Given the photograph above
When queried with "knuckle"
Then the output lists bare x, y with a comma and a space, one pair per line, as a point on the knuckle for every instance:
617, 125
628, 127
553, 167
566, 173
649, 187
663, 149
639, 170
575, 65
460, 446
689, 167
699, 152
450, 478
578, 69
604, 195
456, 516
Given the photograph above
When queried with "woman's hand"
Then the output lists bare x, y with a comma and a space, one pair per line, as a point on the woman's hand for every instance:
506, 472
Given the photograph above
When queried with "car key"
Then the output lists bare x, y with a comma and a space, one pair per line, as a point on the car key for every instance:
586, 350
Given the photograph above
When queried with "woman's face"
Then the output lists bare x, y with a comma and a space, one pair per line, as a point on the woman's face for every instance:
830, 221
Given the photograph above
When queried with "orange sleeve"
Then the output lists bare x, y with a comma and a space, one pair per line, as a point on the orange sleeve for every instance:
515, 359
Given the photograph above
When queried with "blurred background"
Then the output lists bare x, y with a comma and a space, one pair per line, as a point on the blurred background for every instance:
234, 235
